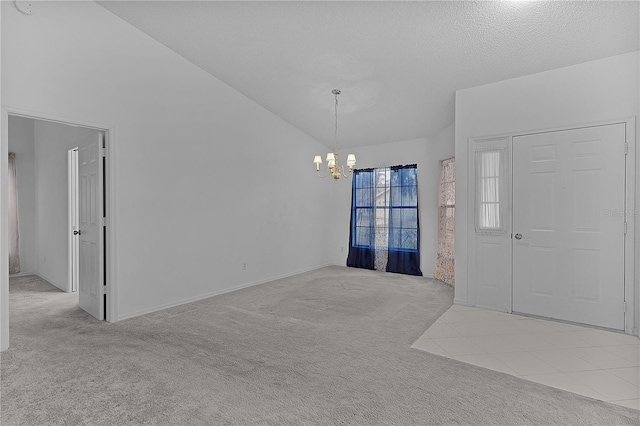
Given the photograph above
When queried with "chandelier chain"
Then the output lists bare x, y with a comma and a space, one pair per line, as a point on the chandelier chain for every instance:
336, 129
334, 169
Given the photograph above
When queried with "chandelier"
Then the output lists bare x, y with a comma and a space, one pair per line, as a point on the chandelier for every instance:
333, 167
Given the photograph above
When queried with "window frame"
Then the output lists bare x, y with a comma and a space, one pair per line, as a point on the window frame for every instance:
386, 208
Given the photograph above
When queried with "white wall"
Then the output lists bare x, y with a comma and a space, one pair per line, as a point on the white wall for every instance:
203, 178
605, 89
4, 218
21, 141
52, 142
426, 153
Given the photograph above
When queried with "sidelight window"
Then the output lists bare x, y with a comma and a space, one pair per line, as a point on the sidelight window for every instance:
490, 192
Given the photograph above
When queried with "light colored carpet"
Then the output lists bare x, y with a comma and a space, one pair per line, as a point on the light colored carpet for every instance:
329, 347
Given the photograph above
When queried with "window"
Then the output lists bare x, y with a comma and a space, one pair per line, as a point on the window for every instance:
384, 220
363, 222
490, 174
403, 209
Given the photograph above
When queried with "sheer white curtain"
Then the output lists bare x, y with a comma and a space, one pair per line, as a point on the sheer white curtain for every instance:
490, 191
14, 257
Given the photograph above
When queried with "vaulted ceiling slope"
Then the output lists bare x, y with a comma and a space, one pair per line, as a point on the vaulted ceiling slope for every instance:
398, 64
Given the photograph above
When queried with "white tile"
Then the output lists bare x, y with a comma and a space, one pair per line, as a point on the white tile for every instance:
564, 356
463, 328
533, 326
629, 403
564, 339
511, 317
485, 328
529, 342
524, 363
428, 345
562, 326
456, 346
629, 352
631, 374
486, 361
563, 360
495, 344
452, 317
601, 358
597, 337
458, 308
625, 339
441, 329
565, 382
611, 387
479, 315
504, 316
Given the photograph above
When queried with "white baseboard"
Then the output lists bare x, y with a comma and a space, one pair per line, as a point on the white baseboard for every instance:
21, 274
343, 264
461, 302
491, 308
50, 281
47, 279
212, 294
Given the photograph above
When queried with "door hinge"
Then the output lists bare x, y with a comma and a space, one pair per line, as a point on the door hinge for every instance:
103, 221
104, 289
625, 228
626, 148
624, 307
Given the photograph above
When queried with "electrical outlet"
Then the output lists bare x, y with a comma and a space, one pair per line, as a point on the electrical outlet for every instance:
244, 266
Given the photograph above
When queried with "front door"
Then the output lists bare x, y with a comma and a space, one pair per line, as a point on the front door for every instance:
568, 225
91, 201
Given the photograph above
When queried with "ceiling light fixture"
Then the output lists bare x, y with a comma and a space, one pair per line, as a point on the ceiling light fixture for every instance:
333, 168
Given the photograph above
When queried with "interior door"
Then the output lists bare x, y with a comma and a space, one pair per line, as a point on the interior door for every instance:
74, 218
568, 225
91, 250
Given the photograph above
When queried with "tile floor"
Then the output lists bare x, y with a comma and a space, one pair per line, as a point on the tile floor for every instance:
596, 363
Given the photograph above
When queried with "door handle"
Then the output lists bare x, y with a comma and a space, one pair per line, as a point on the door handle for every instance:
77, 232
518, 236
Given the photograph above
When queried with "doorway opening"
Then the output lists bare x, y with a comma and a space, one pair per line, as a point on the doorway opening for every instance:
63, 206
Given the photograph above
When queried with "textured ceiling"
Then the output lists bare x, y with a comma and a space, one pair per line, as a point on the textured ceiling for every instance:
398, 64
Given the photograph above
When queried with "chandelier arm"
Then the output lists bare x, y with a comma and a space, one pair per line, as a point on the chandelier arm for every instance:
349, 172
325, 175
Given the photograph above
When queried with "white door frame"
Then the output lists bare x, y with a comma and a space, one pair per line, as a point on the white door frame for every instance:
632, 240
110, 267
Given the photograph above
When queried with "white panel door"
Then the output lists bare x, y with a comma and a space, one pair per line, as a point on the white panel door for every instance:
91, 251
568, 225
